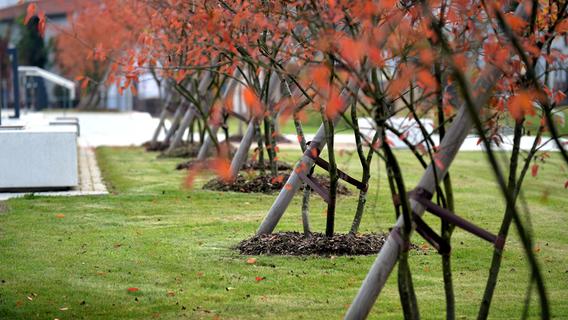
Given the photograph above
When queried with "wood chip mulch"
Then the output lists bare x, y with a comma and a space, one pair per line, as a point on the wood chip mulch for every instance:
264, 184
296, 244
249, 165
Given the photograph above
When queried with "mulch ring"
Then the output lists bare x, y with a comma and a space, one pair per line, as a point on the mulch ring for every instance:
265, 184
157, 146
249, 165
188, 150
296, 244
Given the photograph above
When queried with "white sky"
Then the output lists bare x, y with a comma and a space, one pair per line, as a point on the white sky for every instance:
6, 3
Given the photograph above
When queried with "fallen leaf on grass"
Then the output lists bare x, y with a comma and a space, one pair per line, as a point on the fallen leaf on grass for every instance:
133, 289
251, 260
60, 216
258, 279
171, 293
63, 309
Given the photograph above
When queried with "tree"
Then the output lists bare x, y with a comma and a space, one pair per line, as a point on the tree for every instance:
470, 65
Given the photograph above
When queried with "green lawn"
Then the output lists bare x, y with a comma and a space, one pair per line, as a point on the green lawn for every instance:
175, 246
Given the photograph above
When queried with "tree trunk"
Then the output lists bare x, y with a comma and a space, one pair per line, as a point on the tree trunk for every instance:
184, 124
175, 122
243, 149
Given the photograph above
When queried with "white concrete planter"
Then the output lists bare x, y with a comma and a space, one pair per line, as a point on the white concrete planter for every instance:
38, 158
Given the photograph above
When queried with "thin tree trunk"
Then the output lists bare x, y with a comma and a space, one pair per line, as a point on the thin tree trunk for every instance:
175, 122
447, 229
513, 187
184, 124
161, 124
405, 286
260, 149
242, 152
333, 178
307, 190
365, 165
207, 144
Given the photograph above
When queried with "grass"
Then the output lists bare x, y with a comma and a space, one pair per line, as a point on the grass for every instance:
175, 246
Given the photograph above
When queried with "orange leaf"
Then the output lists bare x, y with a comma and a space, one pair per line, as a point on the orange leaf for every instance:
41, 24
258, 279
334, 105
321, 76
60, 216
222, 167
559, 96
516, 23
562, 27
521, 104
132, 289
351, 50
30, 12
253, 103
534, 170
427, 80
251, 260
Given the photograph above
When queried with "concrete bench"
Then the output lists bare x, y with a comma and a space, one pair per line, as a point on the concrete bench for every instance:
43, 157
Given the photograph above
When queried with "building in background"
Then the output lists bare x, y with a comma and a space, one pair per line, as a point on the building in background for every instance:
57, 12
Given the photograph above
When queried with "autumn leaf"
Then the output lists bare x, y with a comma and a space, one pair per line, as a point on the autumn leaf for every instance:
334, 105
84, 83
251, 260
258, 279
427, 81
351, 50
521, 104
534, 170
60, 216
133, 289
562, 27
516, 23
559, 96
41, 23
253, 103
30, 12
222, 168
277, 179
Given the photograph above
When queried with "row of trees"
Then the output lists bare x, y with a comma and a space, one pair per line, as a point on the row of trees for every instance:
469, 65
